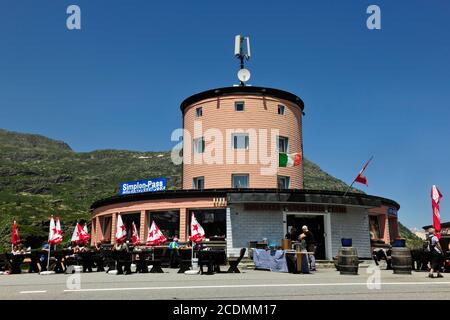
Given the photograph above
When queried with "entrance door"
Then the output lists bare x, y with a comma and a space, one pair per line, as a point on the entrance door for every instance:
315, 224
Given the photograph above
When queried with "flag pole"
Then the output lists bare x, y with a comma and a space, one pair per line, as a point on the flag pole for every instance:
48, 258
349, 187
363, 169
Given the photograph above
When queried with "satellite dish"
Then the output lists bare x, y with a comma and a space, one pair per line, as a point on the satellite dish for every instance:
243, 75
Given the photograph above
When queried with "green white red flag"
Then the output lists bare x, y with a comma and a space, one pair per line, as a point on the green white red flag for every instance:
289, 159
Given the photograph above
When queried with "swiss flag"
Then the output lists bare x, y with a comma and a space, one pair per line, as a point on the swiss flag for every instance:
121, 233
155, 236
15, 239
197, 232
436, 197
135, 236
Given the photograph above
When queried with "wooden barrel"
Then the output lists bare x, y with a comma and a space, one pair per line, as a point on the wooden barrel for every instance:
347, 260
401, 260
285, 244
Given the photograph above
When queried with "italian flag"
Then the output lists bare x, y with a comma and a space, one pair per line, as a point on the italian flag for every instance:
289, 159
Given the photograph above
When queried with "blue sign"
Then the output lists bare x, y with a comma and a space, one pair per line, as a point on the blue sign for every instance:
392, 212
158, 184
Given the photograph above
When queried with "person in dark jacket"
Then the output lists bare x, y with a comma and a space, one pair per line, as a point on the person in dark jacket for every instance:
437, 254
292, 234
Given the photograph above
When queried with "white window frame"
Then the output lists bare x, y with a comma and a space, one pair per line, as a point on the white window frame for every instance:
236, 104
286, 146
196, 143
235, 141
281, 109
286, 178
199, 112
195, 181
234, 175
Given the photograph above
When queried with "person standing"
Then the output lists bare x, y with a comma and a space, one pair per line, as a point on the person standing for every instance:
436, 252
308, 236
292, 234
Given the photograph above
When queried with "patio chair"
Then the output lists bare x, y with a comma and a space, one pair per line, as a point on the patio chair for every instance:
234, 262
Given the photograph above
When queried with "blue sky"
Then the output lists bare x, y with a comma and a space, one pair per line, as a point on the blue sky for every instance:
118, 82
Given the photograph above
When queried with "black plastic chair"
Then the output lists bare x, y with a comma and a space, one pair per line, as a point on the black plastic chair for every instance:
234, 262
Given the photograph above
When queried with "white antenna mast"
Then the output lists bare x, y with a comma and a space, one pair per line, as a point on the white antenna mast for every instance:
243, 74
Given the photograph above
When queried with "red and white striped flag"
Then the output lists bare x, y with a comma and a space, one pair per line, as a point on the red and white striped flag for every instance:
436, 197
361, 178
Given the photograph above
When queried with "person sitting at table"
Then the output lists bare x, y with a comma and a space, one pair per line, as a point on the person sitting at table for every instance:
122, 261
98, 257
44, 256
15, 250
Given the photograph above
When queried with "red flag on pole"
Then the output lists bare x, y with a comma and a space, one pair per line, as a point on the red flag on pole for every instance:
197, 232
436, 197
121, 233
155, 236
53, 236
361, 178
83, 234
15, 239
135, 236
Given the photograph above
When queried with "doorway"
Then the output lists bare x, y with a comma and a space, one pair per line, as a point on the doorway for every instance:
315, 224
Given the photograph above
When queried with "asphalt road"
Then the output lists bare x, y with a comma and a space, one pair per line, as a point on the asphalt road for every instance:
250, 284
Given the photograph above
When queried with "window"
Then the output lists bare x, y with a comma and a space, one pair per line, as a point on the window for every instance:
239, 180
283, 145
199, 112
239, 106
199, 145
281, 109
198, 183
213, 222
128, 220
240, 140
284, 182
374, 226
167, 221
